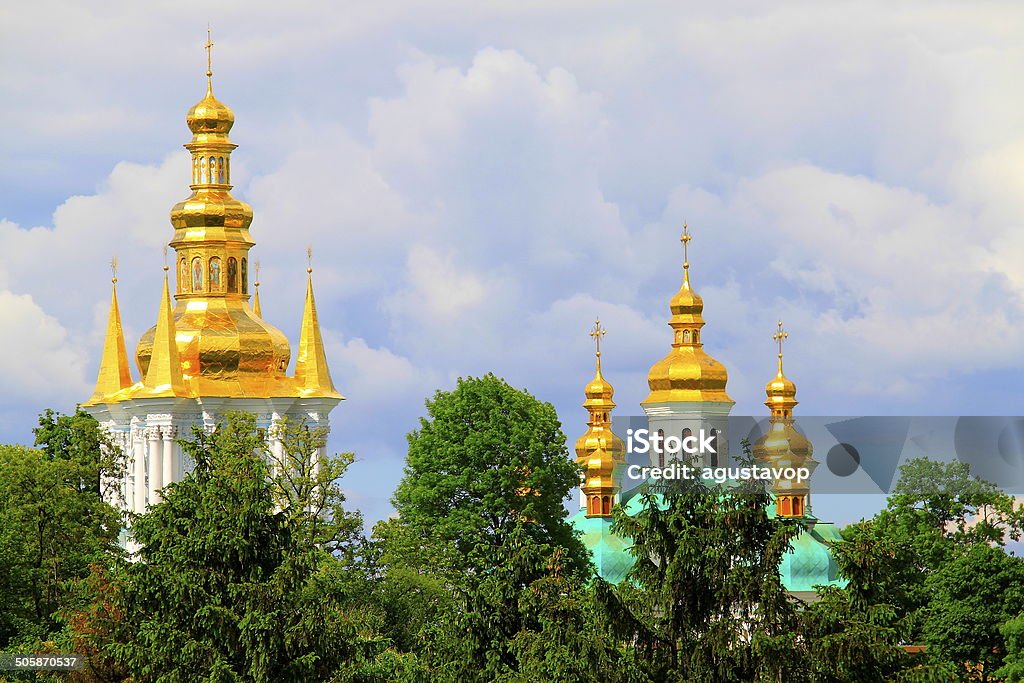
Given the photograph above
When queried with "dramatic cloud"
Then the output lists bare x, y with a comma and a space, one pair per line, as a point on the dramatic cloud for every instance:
480, 182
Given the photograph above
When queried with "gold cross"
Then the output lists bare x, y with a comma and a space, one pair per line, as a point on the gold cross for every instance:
597, 333
113, 270
209, 52
685, 239
780, 337
309, 258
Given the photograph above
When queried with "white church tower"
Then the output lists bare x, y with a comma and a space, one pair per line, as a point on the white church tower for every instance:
688, 386
210, 351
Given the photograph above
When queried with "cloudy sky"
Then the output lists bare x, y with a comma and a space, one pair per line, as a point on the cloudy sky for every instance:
479, 180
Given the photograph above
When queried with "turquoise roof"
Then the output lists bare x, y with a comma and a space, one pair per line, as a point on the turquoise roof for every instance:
609, 552
808, 563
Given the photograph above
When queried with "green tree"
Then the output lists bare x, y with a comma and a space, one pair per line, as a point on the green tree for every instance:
52, 528
973, 595
704, 600
221, 591
488, 457
1013, 663
80, 439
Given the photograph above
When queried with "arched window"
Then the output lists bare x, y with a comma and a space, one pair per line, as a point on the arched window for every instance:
227, 169
661, 448
595, 506
195, 170
197, 274
245, 276
233, 275
606, 505
686, 336
785, 507
213, 161
215, 274
798, 507
183, 276
220, 170
202, 171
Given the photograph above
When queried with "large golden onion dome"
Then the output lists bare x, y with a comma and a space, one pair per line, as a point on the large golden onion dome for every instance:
687, 373
224, 347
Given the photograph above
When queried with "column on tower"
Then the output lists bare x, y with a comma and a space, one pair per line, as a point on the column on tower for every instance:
155, 464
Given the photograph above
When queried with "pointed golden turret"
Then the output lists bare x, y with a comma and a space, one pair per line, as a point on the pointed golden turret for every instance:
687, 373
311, 373
783, 446
599, 450
114, 374
164, 377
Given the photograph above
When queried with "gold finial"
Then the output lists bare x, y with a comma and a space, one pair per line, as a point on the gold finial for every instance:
165, 258
685, 239
113, 270
256, 266
209, 52
780, 337
597, 333
309, 258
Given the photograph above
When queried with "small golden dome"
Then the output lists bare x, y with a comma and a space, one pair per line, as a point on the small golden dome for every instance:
598, 390
209, 115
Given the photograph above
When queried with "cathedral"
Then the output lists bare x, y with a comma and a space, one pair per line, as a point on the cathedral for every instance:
210, 351
687, 395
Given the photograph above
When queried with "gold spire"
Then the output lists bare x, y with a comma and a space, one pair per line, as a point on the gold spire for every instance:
687, 373
256, 295
599, 450
780, 390
114, 374
783, 445
311, 373
164, 377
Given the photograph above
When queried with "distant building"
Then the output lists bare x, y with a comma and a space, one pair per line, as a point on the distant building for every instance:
688, 395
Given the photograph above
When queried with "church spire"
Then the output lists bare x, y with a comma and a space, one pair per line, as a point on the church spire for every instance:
114, 374
687, 373
784, 446
599, 451
164, 376
311, 373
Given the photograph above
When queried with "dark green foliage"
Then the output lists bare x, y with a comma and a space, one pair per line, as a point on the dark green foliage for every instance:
706, 601
487, 457
222, 591
53, 523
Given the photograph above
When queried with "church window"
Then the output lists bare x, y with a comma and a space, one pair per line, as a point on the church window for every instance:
245, 276
215, 274
197, 274
213, 162
202, 171
595, 506
233, 275
183, 276
606, 505
785, 507
220, 170
686, 336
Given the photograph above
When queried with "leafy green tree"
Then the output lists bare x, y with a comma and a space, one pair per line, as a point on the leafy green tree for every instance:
935, 510
221, 591
80, 439
1013, 663
488, 457
52, 527
973, 596
704, 600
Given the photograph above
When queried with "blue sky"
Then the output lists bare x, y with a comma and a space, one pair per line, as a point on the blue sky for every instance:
479, 180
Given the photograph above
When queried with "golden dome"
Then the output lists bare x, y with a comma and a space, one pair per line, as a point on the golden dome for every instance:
687, 373
209, 115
